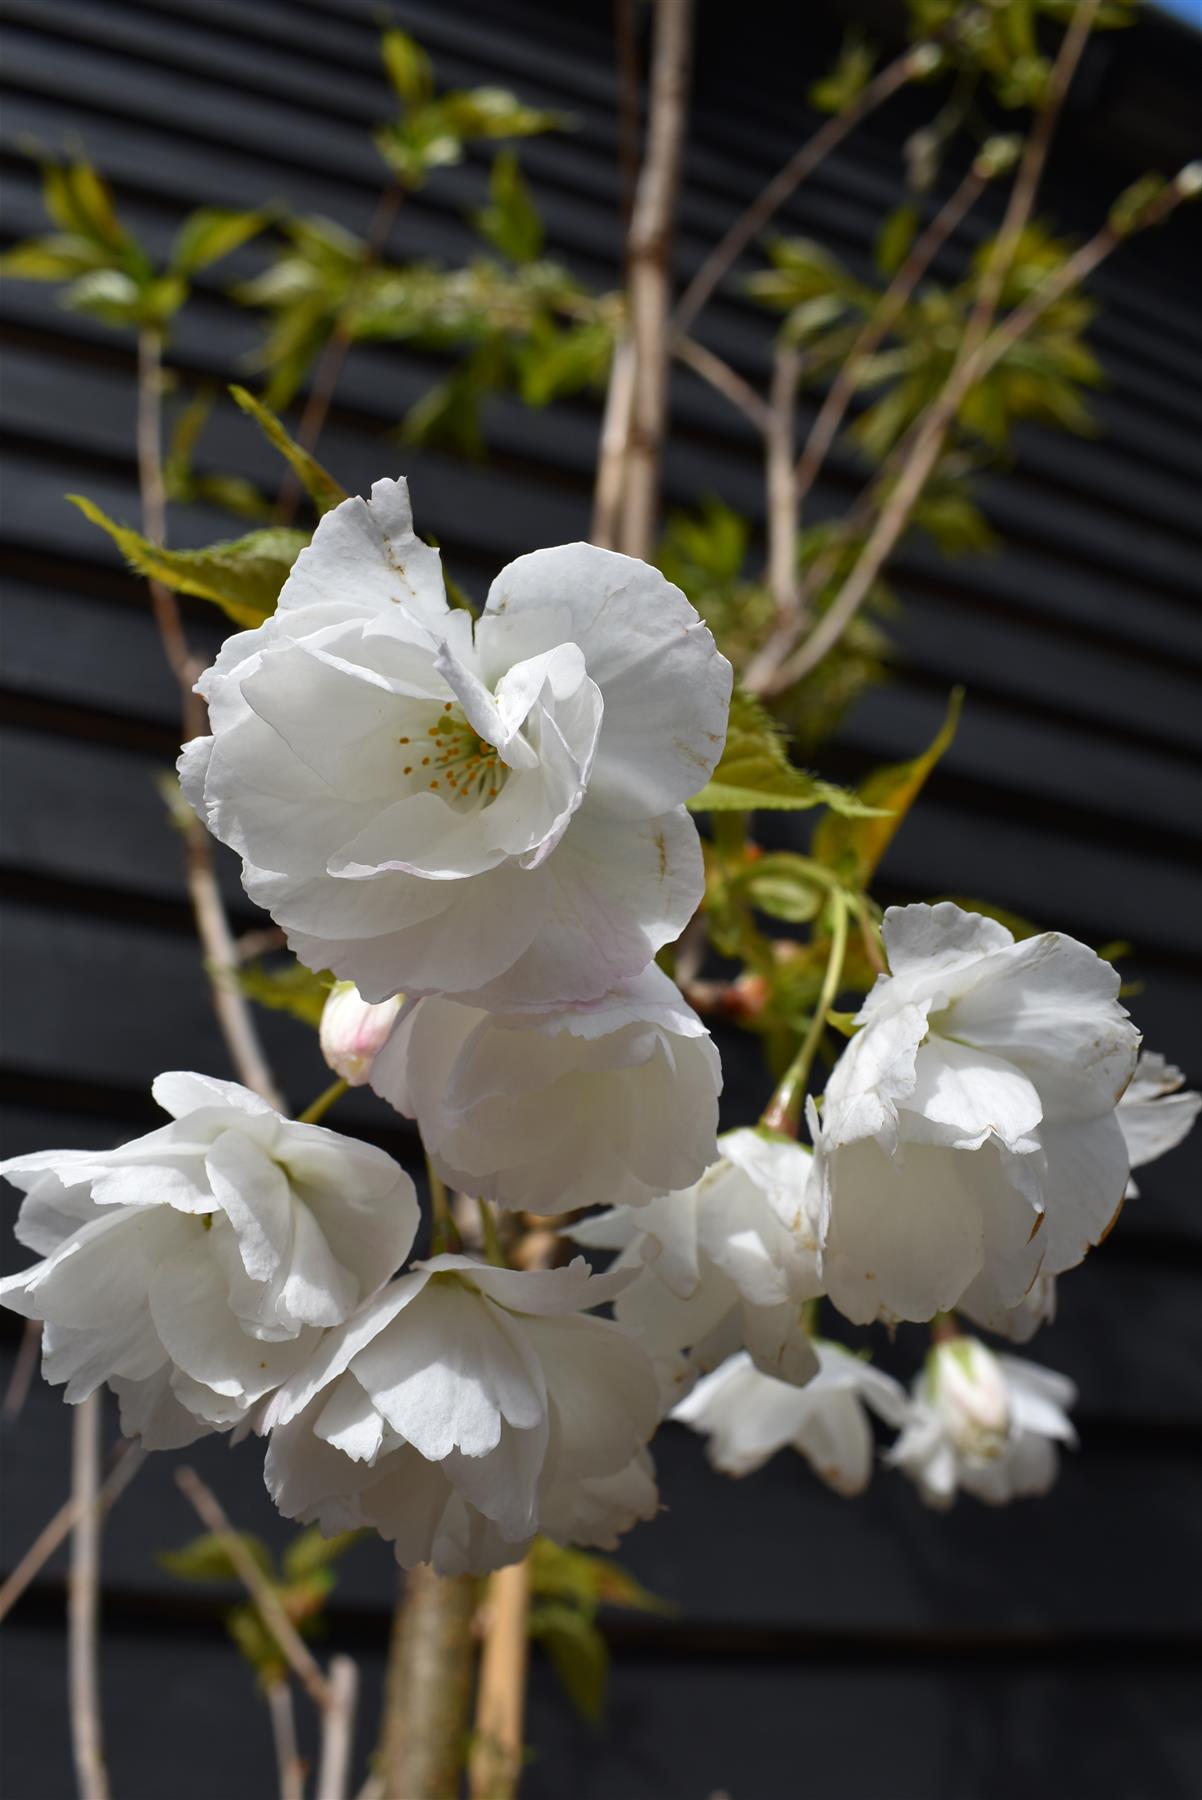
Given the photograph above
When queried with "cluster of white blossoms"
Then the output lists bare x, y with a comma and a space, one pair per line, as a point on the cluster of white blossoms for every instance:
479, 827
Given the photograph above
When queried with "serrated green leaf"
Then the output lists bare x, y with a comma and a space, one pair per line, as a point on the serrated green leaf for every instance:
854, 847
578, 1654
317, 482
311, 1552
408, 67
510, 221
211, 233
207, 1559
291, 988
781, 885
754, 772
242, 577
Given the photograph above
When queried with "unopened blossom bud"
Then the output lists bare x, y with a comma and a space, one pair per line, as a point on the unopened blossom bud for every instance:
353, 1031
968, 1392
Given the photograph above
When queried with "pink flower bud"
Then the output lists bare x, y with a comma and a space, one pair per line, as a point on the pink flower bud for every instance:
353, 1032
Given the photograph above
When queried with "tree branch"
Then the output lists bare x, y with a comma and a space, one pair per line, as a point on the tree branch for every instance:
130, 1460
429, 1687
83, 1603
782, 502
283, 1734
611, 452
920, 59
338, 1730
497, 1745
724, 379
648, 252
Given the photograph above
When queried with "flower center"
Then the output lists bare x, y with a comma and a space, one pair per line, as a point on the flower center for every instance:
450, 759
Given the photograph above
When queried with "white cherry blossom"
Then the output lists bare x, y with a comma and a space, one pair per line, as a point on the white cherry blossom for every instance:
429, 806
1154, 1115
353, 1031
987, 1424
723, 1265
748, 1416
968, 1138
613, 1100
465, 1409
194, 1269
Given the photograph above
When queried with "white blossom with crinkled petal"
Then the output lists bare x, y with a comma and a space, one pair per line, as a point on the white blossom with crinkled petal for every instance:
1154, 1115
1006, 1452
724, 1265
613, 1100
465, 1409
491, 810
968, 1137
748, 1416
194, 1269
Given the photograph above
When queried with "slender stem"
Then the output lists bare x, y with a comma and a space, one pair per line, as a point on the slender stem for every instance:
318, 1108
649, 244
83, 1603
721, 376
267, 1602
497, 1746
919, 59
429, 1687
611, 453
17, 1391
130, 1459
283, 1732
212, 925
782, 503
929, 437
444, 1233
338, 1730
626, 46
488, 1231
334, 352
783, 1112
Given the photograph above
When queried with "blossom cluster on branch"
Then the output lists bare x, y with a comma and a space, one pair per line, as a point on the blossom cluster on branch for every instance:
480, 827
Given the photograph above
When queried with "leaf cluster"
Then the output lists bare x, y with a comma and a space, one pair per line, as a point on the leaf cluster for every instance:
568, 1589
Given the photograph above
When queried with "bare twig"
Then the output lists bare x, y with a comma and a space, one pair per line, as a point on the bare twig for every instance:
721, 376
217, 941
56, 1531
26, 1361
611, 452
496, 1759
649, 251
429, 1686
338, 1730
932, 428
283, 1732
627, 48
782, 503
267, 1602
83, 1603
918, 60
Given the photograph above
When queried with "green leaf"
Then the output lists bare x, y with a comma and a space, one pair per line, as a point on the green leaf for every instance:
243, 577
895, 237
578, 1654
211, 233
408, 67
835, 92
81, 202
854, 847
311, 1551
292, 989
754, 771
951, 518
511, 222
782, 885
60, 257
207, 1559
317, 482
554, 362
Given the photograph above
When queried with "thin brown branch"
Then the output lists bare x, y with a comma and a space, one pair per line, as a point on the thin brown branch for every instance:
338, 1730
917, 60
266, 1601
83, 1603
896, 511
782, 502
497, 1744
649, 245
429, 1687
212, 925
611, 451
627, 50
724, 379
57, 1529
283, 1733
334, 353
24, 1365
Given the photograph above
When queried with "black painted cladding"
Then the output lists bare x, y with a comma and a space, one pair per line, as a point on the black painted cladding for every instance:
869, 1645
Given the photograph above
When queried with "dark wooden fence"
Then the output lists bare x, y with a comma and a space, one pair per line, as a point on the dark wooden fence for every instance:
852, 1648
